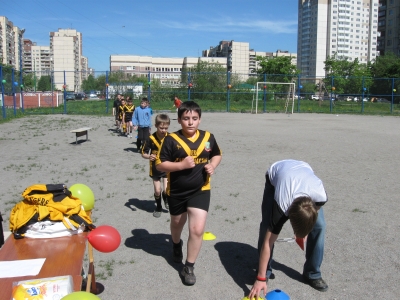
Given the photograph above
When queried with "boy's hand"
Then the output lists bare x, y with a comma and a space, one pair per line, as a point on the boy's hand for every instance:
209, 169
188, 162
258, 286
152, 157
135, 128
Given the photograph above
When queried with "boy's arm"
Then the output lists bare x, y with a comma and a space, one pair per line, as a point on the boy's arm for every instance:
265, 254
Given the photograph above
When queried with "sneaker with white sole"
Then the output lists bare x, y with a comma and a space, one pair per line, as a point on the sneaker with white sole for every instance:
319, 284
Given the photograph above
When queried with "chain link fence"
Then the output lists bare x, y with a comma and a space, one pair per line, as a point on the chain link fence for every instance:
68, 92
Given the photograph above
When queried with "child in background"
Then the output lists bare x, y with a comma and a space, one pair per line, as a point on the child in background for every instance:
121, 116
189, 156
142, 122
177, 103
149, 151
117, 103
129, 108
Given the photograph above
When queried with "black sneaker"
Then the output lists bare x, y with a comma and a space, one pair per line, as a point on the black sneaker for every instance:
188, 275
177, 254
271, 276
318, 284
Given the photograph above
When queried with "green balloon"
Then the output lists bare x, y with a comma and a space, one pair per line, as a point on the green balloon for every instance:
85, 194
4, 81
149, 83
21, 85
80, 296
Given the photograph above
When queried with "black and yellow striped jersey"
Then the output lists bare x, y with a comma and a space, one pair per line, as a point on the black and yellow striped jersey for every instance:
128, 111
175, 147
152, 146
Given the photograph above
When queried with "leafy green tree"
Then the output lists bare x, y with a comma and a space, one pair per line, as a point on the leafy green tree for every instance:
277, 68
349, 77
209, 77
44, 83
385, 67
89, 83
29, 82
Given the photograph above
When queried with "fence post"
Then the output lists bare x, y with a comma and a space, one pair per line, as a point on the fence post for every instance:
391, 104
265, 95
2, 92
332, 89
362, 98
107, 92
189, 86
228, 102
13, 91
299, 87
149, 87
64, 93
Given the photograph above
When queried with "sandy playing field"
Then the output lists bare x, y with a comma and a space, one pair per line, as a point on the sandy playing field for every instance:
357, 158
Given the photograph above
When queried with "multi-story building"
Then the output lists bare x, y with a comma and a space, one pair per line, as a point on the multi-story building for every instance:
10, 43
85, 67
66, 52
389, 26
240, 58
166, 69
346, 28
36, 58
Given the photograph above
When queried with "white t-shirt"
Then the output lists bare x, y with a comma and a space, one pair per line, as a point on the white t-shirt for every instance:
293, 179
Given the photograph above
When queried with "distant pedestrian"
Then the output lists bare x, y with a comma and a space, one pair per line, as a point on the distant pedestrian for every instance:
117, 103
177, 103
142, 122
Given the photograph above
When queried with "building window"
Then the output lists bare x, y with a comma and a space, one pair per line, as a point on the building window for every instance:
389, 42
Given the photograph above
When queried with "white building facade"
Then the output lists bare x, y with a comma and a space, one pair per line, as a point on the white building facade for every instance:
346, 28
66, 52
10, 43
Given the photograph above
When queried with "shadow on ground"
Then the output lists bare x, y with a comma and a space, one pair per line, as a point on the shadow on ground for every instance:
157, 244
241, 262
145, 205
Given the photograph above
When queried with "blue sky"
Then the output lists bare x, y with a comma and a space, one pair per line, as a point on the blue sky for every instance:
158, 28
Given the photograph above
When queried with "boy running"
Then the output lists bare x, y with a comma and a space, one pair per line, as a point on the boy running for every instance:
190, 157
149, 151
121, 115
129, 108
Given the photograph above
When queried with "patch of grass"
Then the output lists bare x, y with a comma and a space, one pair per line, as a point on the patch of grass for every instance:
359, 210
130, 178
108, 267
234, 195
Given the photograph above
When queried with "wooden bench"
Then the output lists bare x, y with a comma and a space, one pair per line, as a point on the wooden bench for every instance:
81, 132
64, 256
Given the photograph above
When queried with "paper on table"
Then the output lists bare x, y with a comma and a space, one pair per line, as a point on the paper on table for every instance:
19, 268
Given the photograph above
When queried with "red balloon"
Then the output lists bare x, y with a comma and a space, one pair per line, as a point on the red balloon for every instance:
104, 238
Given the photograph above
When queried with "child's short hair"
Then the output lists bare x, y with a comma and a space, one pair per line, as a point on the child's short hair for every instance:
162, 119
303, 214
144, 99
189, 106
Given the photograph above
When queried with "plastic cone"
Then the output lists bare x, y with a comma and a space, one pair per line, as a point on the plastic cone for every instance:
208, 236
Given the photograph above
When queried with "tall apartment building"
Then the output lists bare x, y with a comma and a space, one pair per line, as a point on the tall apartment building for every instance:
66, 52
166, 69
240, 58
10, 43
36, 58
389, 26
347, 28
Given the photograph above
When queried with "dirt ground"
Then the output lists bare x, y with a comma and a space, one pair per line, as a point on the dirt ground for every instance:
357, 158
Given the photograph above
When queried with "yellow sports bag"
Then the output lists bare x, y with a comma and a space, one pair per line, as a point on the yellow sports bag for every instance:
53, 202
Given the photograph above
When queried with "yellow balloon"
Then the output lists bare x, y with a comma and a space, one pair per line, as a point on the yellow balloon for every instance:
80, 296
84, 193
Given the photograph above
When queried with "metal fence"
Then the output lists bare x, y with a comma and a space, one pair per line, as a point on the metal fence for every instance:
64, 92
